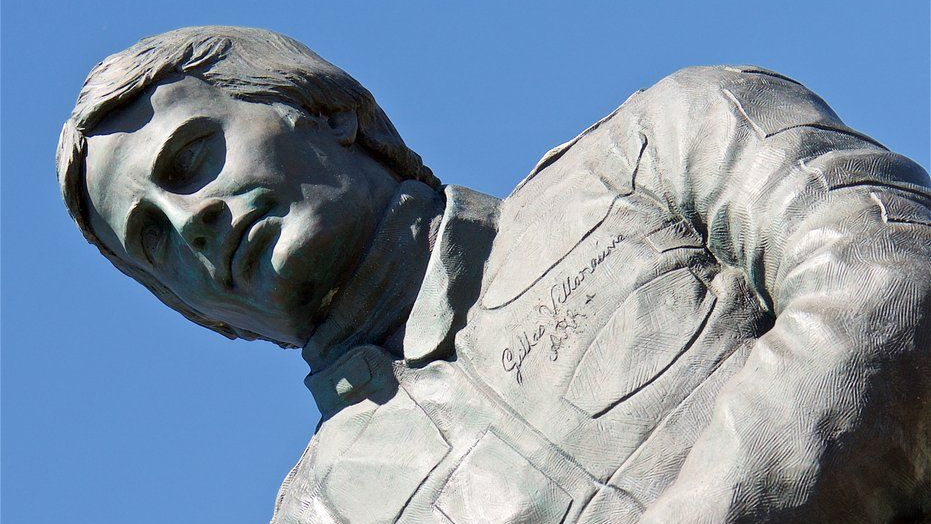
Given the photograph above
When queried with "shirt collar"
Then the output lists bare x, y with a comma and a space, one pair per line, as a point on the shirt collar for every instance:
451, 286
453, 278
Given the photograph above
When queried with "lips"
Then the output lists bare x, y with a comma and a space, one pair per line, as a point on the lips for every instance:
251, 246
233, 242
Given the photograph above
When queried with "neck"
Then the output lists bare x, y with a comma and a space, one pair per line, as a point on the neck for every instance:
374, 304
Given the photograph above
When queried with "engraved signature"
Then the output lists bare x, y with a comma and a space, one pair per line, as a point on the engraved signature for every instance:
561, 291
559, 322
555, 333
514, 361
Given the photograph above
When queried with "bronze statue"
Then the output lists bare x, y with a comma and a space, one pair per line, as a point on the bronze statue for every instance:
713, 305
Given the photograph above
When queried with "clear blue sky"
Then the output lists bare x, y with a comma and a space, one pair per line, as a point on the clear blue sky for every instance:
115, 409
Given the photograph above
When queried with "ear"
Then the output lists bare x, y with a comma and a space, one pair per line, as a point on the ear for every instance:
344, 126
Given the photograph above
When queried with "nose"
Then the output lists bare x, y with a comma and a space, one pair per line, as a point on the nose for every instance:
200, 228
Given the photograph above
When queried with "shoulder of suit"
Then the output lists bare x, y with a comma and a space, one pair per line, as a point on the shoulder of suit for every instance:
769, 102
699, 85
723, 74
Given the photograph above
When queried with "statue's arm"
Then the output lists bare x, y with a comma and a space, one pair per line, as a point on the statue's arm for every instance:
830, 418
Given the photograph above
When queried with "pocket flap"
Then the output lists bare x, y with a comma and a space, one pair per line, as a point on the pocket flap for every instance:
646, 335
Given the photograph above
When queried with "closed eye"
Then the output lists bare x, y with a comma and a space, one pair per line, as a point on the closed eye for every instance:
148, 233
191, 157
153, 243
185, 163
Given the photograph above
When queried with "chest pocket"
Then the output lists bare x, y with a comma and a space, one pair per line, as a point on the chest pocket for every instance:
654, 326
495, 484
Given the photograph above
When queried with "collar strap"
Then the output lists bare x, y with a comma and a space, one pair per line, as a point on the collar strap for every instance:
363, 372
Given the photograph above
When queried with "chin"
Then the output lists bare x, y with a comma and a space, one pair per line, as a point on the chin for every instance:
295, 315
303, 276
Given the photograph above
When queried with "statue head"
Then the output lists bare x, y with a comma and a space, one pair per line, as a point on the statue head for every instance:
234, 173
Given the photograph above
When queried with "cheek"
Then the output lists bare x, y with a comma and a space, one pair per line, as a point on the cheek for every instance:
252, 156
248, 164
261, 139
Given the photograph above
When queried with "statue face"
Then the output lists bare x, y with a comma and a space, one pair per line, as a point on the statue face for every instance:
250, 216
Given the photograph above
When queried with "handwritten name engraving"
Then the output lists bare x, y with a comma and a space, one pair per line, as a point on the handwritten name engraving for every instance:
561, 291
557, 321
514, 360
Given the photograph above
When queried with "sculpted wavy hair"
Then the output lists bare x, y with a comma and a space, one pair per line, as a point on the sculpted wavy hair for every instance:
250, 64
